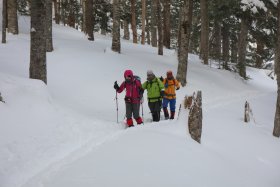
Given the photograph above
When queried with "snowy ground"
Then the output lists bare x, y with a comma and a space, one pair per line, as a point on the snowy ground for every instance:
65, 133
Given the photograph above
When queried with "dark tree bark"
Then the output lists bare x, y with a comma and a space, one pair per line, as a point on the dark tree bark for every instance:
204, 46
184, 38
12, 16
259, 53
83, 4
49, 42
4, 21
276, 130
166, 24
148, 32
126, 30
233, 48
225, 44
57, 11
116, 43
38, 65
217, 41
89, 25
71, 15
154, 23
160, 31
133, 21
242, 43
143, 36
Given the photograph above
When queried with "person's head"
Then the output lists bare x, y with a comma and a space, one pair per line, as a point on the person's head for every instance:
128, 75
150, 75
169, 75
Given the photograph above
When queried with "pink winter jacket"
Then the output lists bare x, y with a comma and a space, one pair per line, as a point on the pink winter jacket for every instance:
132, 91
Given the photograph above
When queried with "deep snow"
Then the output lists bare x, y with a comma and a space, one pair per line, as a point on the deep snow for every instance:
65, 133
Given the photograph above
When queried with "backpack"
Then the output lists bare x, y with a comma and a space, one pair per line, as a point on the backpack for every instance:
166, 83
140, 90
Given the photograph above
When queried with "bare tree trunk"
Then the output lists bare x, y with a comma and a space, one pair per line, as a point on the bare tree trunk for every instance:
12, 16
204, 46
84, 15
63, 12
242, 43
184, 37
71, 16
225, 44
4, 21
154, 23
126, 30
38, 65
57, 11
160, 31
148, 32
217, 40
233, 48
133, 21
89, 19
259, 53
276, 130
166, 24
49, 42
143, 39
116, 44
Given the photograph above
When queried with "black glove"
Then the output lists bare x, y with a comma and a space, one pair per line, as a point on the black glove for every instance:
116, 86
177, 88
162, 93
161, 79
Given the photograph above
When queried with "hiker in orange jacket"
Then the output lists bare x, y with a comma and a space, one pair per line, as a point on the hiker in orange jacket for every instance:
170, 85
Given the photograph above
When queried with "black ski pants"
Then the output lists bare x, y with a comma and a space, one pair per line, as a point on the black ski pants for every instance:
155, 108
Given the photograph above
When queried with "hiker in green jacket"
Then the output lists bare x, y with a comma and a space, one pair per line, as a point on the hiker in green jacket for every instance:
155, 91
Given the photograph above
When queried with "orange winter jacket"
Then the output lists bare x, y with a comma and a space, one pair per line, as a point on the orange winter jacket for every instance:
170, 87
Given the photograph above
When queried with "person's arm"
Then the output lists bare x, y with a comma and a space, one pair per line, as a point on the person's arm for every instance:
144, 85
121, 87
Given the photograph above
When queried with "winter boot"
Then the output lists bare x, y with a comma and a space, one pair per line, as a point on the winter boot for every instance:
172, 115
129, 122
166, 114
139, 120
155, 116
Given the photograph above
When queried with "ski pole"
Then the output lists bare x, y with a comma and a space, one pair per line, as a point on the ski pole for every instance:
117, 105
179, 111
142, 110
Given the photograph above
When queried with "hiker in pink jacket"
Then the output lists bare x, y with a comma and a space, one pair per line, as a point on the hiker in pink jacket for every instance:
132, 97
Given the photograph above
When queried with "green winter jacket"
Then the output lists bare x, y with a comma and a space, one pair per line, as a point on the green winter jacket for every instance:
154, 88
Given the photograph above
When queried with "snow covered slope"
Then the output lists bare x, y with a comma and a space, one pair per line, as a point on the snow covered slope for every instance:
65, 133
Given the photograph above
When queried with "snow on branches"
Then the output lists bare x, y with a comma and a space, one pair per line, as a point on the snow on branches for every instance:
253, 5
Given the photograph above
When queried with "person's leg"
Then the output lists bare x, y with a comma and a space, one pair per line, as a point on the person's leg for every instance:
164, 105
157, 110
136, 109
128, 108
172, 108
152, 109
